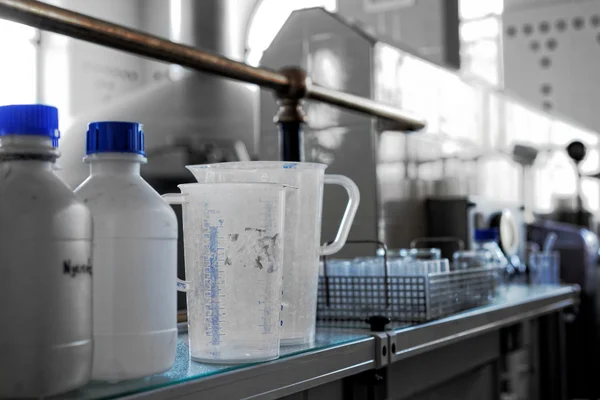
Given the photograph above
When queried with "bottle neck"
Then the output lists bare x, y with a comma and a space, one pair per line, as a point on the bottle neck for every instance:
115, 163
30, 164
27, 148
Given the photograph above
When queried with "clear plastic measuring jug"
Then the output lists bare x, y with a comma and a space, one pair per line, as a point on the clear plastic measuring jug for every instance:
302, 231
233, 241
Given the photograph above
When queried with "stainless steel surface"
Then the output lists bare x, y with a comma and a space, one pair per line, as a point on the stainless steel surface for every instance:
517, 304
180, 119
451, 372
55, 19
428, 27
187, 115
58, 20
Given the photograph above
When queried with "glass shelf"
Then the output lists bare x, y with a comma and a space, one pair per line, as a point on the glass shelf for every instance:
509, 296
186, 370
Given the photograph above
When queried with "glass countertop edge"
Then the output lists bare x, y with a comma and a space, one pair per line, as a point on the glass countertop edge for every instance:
185, 370
549, 291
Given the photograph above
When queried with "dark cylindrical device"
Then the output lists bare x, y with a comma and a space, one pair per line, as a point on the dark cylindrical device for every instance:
290, 140
577, 151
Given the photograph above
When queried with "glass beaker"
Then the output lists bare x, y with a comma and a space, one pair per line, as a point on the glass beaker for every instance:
544, 268
464, 259
233, 243
302, 231
429, 253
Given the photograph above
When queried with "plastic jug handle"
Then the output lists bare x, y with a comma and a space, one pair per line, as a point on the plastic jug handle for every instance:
349, 213
173, 199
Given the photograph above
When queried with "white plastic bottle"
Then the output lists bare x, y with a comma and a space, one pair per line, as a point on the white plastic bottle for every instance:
135, 257
45, 262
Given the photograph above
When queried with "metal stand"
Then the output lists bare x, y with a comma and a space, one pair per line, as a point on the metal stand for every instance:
291, 117
290, 140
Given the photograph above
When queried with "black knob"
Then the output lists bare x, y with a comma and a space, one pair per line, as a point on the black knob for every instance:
377, 322
576, 150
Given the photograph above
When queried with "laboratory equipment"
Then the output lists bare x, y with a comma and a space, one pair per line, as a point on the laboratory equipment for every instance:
424, 254
415, 291
461, 217
303, 231
45, 262
525, 156
578, 249
487, 239
393, 253
417, 267
233, 235
544, 267
572, 209
463, 259
135, 257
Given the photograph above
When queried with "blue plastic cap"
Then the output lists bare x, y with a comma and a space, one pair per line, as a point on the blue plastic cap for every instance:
486, 234
115, 137
30, 119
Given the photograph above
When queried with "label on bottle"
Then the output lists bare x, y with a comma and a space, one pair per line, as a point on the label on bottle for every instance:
74, 269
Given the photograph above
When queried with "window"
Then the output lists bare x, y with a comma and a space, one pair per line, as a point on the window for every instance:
18, 68
481, 39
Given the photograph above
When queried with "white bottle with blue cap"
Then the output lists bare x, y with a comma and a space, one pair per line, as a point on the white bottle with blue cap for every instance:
135, 257
45, 262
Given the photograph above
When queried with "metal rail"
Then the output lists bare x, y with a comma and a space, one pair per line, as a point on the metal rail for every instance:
79, 26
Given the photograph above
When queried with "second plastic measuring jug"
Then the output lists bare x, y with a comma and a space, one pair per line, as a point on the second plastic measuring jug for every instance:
302, 231
233, 240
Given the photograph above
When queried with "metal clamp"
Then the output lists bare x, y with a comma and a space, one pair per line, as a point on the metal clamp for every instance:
382, 349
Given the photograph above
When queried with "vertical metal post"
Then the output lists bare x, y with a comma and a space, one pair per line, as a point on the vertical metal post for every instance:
291, 117
290, 135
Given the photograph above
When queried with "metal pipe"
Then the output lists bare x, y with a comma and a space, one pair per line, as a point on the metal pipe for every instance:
55, 19
397, 119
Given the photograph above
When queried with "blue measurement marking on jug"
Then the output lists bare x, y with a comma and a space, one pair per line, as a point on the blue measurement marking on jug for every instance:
212, 260
267, 302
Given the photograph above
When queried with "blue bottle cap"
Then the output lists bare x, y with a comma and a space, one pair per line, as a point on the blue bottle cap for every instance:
115, 137
30, 119
486, 234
